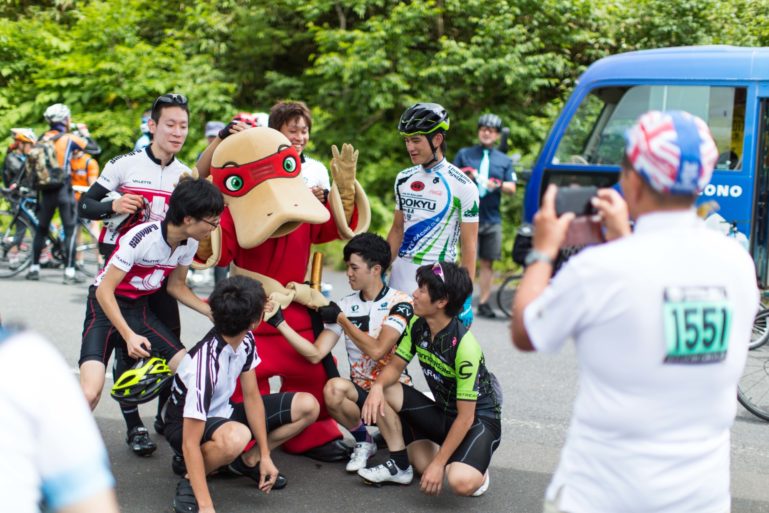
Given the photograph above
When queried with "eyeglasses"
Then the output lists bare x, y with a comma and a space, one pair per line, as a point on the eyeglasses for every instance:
438, 271
170, 99
209, 223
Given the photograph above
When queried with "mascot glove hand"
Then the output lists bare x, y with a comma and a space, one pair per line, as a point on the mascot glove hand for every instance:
306, 295
466, 315
343, 167
274, 317
329, 314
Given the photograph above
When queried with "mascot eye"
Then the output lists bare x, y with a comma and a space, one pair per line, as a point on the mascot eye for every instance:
233, 183
289, 164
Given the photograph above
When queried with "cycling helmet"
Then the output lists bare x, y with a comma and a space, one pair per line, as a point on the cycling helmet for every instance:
143, 382
56, 113
121, 223
262, 119
673, 152
423, 119
23, 135
491, 121
247, 118
144, 125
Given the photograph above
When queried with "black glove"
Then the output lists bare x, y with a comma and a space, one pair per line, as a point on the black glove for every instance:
225, 132
276, 318
330, 313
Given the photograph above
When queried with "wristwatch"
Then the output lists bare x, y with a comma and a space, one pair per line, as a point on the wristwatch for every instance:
537, 256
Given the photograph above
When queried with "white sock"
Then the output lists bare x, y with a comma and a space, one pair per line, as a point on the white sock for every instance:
34, 267
69, 272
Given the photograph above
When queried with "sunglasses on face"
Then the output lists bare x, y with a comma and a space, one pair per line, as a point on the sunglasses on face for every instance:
170, 99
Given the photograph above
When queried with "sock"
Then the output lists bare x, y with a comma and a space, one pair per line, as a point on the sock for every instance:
162, 400
131, 416
69, 272
360, 433
401, 458
34, 267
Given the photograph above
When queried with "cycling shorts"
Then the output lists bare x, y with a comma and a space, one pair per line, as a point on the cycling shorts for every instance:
100, 337
277, 412
426, 421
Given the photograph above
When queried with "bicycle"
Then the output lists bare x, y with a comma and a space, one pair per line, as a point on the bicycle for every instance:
506, 293
18, 226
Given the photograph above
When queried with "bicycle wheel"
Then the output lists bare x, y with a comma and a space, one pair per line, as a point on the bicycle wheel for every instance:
506, 294
87, 258
16, 235
760, 329
753, 389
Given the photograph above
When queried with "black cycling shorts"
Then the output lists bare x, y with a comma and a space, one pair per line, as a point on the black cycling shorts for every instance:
100, 337
427, 421
277, 412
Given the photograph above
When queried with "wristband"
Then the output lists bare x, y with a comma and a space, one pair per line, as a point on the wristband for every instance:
535, 256
276, 318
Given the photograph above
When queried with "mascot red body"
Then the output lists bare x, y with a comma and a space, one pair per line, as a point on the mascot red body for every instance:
266, 232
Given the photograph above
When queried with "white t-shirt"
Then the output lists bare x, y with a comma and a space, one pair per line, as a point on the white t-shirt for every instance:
647, 435
146, 258
139, 172
370, 317
50, 446
208, 374
315, 174
435, 202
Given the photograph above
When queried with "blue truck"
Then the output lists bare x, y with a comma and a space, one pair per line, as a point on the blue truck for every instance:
726, 86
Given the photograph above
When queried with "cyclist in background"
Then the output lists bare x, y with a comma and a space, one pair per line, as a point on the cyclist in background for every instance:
144, 180
13, 166
144, 126
436, 204
63, 198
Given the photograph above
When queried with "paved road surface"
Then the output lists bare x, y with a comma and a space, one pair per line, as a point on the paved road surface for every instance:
538, 391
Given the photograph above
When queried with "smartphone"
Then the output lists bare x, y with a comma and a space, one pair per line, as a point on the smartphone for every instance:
583, 231
575, 199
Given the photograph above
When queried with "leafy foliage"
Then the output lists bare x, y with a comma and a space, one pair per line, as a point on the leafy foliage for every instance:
358, 64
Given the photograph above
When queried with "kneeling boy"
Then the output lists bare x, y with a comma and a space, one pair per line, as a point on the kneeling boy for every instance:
457, 432
204, 426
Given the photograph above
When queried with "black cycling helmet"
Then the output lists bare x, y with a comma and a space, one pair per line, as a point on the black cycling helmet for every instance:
423, 119
143, 382
491, 121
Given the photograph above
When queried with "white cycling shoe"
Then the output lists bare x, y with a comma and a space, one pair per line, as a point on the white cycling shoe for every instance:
388, 472
484, 486
360, 455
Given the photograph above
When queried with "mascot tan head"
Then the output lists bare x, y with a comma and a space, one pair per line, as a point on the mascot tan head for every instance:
258, 171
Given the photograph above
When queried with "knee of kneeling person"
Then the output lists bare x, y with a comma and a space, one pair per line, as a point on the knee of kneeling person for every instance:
232, 438
305, 407
463, 483
334, 392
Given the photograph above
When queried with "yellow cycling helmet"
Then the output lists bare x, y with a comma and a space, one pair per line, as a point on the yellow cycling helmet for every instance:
143, 382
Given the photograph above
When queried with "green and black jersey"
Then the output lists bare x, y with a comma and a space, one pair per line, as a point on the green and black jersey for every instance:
454, 367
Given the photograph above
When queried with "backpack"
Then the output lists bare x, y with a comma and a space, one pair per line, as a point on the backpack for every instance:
42, 167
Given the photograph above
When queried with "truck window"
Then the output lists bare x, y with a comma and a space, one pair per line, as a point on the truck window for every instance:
595, 135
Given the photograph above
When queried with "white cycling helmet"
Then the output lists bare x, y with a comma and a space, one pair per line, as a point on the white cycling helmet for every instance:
23, 135
57, 113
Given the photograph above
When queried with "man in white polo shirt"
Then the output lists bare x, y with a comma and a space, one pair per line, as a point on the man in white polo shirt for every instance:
661, 320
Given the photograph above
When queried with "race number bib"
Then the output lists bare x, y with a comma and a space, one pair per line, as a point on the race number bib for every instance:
697, 323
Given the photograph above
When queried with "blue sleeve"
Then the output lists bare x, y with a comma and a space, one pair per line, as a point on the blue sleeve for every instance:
459, 160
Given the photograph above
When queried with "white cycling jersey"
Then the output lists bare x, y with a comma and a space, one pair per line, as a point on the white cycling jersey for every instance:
140, 172
370, 317
51, 448
146, 258
434, 202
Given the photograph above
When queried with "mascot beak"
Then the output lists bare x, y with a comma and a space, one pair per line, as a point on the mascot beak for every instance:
274, 209
267, 197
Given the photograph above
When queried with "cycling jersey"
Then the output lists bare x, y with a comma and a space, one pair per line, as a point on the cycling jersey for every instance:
50, 445
454, 367
314, 173
434, 202
146, 258
84, 170
207, 375
370, 317
140, 172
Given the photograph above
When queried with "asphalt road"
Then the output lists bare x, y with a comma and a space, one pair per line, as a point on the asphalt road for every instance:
538, 392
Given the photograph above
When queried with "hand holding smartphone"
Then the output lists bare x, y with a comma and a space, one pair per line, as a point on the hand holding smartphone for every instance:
584, 230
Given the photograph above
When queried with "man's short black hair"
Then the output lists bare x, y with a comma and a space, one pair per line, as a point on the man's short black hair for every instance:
196, 198
165, 101
236, 303
372, 249
455, 289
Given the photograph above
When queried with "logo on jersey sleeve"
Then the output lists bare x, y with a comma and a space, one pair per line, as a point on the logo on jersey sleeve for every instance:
472, 211
464, 373
404, 310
